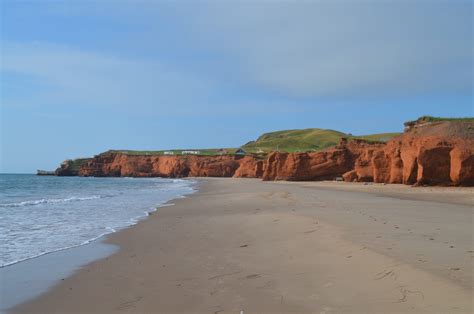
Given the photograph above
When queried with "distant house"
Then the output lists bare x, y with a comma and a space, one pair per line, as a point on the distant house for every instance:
240, 151
260, 151
168, 153
190, 152
222, 151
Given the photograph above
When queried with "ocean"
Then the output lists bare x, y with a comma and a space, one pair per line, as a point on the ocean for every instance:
44, 214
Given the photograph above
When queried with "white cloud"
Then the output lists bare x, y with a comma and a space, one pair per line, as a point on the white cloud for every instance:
344, 48
333, 49
68, 76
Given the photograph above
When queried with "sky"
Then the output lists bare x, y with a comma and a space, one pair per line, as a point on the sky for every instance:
81, 77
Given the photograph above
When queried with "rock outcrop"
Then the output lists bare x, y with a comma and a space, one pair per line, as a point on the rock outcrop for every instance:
308, 166
436, 153
124, 165
428, 153
71, 167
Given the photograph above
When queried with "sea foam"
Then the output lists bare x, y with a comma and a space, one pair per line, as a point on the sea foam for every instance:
40, 215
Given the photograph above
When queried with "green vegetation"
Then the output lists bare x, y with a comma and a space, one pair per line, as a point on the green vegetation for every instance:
378, 137
307, 140
295, 140
287, 141
425, 119
75, 164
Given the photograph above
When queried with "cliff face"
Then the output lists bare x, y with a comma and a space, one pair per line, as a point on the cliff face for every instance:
123, 165
71, 167
432, 154
435, 153
438, 153
307, 166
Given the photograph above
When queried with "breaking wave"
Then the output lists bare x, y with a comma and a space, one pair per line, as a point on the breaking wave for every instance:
53, 201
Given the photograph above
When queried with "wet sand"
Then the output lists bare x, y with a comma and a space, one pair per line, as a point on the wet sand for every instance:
252, 246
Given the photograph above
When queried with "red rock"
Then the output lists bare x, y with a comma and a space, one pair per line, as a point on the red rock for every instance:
462, 165
307, 166
250, 167
124, 165
439, 153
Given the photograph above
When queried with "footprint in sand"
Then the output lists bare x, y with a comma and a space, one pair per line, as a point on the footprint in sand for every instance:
384, 274
129, 304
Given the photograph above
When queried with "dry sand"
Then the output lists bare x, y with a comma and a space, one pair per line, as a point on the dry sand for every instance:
252, 246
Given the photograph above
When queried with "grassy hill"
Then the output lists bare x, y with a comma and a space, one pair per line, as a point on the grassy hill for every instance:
429, 119
307, 140
287, 141
425, 119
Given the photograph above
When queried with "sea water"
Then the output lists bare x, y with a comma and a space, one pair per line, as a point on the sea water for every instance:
44, 214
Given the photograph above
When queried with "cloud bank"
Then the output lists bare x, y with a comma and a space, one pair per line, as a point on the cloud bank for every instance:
345, 48
61, 75
226, 53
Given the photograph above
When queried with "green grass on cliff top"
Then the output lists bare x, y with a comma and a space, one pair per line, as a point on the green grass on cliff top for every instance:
317, 139
307, 140
77, 163
303, 140
425, 119
295, 140
286, 141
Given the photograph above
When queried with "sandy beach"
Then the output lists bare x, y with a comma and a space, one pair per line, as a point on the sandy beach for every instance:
247, 246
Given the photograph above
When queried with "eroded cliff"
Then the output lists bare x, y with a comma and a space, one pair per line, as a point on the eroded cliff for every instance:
438, 153
434, 153
123, 165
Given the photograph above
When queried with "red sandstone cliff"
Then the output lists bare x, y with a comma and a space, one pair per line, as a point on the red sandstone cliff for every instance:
436, 153
322, 165
124, 165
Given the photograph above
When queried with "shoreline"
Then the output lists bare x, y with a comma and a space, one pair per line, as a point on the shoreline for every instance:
31, 278
142, 213
224, 207
66, 262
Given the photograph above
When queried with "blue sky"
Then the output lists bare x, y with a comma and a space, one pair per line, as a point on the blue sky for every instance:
81, 77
